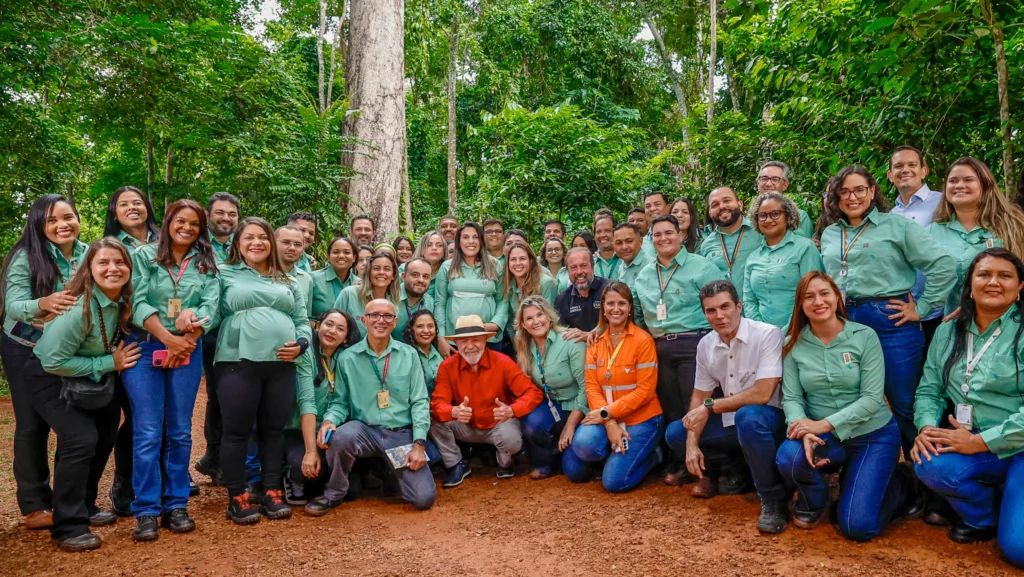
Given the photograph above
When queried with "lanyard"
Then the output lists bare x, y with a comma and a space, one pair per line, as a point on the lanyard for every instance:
181, 271
731, 260
540, 367
602, 263
382, 378
972, 361
846, 247
661, 283
611, 361
409, 311
329, 373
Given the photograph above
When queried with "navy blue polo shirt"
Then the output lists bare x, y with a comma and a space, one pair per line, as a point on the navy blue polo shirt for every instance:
579, 312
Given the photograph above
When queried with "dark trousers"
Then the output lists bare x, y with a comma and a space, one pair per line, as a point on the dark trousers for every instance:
31, 431
929, 328
123, 445
260, 394
84, 442
677, 368
294, 451
213, 429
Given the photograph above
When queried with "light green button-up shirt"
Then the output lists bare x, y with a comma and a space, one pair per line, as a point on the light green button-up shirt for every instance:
259, 315
305, 263
430, 363
548, 290
355, 391
327, 288
994, 390
405, 310
350, 302
963, 246
69, 349
469, 294
562, 280
842, 382
19, 304
564, 365
220, 251
647, 247
629, 272
885, 258
609, 268
681, 295
154, 287
711, 249
305, 281
133, 243
311, 398
806, 227
771, 275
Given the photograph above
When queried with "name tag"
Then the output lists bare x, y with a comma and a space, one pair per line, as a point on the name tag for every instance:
173, 308
965, 415
662, 312
847, 358
383, 399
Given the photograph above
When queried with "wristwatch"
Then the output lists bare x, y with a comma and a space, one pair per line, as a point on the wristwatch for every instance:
420, 442
605, 414
709, 404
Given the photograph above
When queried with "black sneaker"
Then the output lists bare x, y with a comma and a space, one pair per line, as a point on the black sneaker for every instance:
506, 472
121, 497
457, 474
193, 488
146, 529
321, 505
963, 533
100, 518
242, 511
207, 465
84, 542
294, 493
255, 491
773, 517
178, 521
808, 519
734, 484
273, 505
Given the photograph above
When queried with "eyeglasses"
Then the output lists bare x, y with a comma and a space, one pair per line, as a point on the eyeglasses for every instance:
770, 215
855, 192
495, 232
771, 179
386, 317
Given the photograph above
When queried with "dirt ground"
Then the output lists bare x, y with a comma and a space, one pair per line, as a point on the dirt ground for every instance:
489, 527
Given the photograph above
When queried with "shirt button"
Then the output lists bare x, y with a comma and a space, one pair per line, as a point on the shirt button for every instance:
730, 356
730, 375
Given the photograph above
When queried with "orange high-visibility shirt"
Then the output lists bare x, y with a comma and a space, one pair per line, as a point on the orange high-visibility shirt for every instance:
629, 389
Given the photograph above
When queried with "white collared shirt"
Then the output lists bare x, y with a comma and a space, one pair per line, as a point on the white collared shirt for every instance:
754, 353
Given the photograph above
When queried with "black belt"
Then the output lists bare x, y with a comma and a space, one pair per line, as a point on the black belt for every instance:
674, 336
144, 337
852, 302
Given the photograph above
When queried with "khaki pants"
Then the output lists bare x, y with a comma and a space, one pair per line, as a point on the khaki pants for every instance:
506, 437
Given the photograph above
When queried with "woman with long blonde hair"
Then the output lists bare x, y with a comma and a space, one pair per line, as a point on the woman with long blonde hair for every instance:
379, 281
524, 277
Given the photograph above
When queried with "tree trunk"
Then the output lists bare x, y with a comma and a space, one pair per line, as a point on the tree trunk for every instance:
336, 48
375, 86
712, 56
667, 61
69, 192
321, 30
150, 168
407, 196
453, 60
169, 166
1009, 183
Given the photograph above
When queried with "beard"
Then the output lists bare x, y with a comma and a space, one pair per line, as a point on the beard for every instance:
472, 358
729, 219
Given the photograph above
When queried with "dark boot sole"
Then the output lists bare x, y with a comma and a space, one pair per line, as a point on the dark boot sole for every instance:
179, 529
146, 537
805, 525
280, 515
451, 485
77, 548
250, 520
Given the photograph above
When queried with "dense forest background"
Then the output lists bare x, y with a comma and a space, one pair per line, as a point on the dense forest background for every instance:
557, 106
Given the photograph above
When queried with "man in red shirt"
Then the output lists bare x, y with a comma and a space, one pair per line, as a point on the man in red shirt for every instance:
479, 397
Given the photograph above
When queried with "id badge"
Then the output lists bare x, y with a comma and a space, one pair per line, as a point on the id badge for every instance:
965, 415
173, 308
383, 399
554, 411
662, 312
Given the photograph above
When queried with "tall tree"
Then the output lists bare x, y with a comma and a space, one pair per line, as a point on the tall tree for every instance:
1002, 79
712, 56
453, 61
375, 86
666, 59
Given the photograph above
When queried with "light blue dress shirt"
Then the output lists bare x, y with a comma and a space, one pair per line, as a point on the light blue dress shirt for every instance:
921, 210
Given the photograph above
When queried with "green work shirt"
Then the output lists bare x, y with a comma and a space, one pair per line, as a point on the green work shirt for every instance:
564, 364
350, 302
884, 259
771, 275
405, 310
548, 290
133, 243
470, 294
712, 249
430, 363
68, 349
258, 315
327, 288
647, 247
998, 409
562, 280
609, 268
963, 246
154, 286
305, 263
305, 282
357, 386
311, 398
681, 295
220, 251
19, 305
842, 382
806, 226
629, 272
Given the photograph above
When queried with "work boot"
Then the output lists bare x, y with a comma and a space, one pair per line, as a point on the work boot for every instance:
773, 516
84, 542
121, 497
38, 520
146, 529
178, 521
242, 511
273, 505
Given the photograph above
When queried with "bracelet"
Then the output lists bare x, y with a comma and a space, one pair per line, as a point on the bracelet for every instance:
303, 343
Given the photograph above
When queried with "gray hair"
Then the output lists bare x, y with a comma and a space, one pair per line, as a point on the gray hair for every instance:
777, 164
788, 206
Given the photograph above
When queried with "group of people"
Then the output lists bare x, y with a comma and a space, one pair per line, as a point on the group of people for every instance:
759, 352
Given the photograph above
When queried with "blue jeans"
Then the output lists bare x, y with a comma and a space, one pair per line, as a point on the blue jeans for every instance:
541, 433
622, 471
869, 493
970, 483
903, 351
162, 402
754, 439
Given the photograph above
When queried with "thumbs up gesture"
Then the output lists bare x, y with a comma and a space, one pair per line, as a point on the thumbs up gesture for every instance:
463, 412
502, 412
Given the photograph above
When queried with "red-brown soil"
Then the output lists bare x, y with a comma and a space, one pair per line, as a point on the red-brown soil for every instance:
490, 527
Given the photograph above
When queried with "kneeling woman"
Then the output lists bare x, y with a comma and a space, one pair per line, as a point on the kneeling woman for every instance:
334, 332
624, 424
974, 365
556, 366
832, 383
263, 332
82, 344
176, 299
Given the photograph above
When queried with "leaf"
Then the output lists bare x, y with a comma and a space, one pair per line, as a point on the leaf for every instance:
880, 23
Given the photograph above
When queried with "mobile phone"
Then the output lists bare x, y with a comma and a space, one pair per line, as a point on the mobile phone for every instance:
160, 358
820, 453
327, 436
203, 321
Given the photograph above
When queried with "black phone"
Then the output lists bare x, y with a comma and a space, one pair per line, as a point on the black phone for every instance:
820, 453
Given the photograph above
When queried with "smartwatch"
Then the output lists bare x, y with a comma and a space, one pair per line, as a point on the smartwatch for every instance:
605, 414
709, 404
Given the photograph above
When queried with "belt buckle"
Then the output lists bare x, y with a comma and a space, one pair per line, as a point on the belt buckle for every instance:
671, 336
